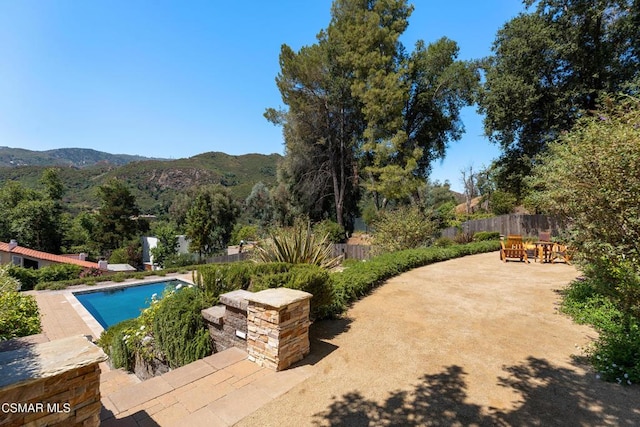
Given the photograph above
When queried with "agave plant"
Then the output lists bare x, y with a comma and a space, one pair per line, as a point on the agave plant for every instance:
298, 245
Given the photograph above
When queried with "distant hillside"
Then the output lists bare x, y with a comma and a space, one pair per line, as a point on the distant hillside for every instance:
76, 157
155, 183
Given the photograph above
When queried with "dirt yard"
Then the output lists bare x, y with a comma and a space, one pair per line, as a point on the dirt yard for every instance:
471, 341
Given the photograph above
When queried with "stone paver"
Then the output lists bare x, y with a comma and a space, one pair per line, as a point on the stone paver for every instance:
59, 319
225, 358
203, 418
137, 394
239, 403
188, 374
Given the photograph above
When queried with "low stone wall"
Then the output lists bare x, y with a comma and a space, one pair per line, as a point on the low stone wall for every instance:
271, 325
227, 322
278, 327
55, 384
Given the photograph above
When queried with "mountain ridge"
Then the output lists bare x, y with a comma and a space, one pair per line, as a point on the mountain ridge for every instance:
76, 157
154, 182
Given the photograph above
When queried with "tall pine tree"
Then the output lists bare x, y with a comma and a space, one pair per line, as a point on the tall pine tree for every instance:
358, 102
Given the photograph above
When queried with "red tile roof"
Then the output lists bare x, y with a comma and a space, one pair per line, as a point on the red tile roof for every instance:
45, 256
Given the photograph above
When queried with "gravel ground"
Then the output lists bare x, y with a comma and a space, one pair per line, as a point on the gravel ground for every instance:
471, 341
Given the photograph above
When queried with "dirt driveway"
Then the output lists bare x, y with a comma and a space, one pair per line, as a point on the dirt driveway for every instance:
471, 341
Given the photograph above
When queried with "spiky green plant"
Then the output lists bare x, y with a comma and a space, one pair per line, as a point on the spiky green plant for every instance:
298, 245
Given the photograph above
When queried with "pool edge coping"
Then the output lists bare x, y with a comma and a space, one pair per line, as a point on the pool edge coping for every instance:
88, 318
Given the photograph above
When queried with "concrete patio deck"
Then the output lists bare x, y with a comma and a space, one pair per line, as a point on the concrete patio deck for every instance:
218, 390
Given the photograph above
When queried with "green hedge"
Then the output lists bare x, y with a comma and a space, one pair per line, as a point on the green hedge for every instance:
173, 330
217, 279
29, 277
92, 280
303, 277
360, 279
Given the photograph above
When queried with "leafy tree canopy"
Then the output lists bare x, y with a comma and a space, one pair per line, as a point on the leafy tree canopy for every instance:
359, 104
31, 217
259, 206
117, 220
548, 69
167, 245
210, 219
591, 177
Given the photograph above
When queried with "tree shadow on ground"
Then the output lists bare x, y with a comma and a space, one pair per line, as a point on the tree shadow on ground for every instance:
140, 418
550, 396
436, 400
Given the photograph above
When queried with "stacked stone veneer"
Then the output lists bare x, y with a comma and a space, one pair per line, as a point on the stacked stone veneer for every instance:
271, 325
227, 322
278, 327
55, 384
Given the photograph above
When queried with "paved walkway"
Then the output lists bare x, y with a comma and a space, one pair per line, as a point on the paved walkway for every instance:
218, 390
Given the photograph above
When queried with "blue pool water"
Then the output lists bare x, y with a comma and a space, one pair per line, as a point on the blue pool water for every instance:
114, 305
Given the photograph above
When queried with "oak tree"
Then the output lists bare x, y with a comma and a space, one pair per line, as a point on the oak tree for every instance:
548, 68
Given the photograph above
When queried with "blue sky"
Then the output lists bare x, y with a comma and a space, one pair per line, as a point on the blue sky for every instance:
176, 78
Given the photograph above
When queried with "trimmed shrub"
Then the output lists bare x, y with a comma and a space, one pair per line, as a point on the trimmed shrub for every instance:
486, 235
57, 272
179, 329
303, 277
123, 276
360, 279
216, 279
443, 242
28, 277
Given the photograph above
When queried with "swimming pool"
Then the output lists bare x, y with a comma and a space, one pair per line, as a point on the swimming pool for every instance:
113, 305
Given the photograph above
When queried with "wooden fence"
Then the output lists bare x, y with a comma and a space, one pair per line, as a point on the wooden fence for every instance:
352, 251
228, 258
349, 251
526, 225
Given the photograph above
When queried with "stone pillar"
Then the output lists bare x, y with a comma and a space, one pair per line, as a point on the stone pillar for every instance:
55, 383
278, 327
